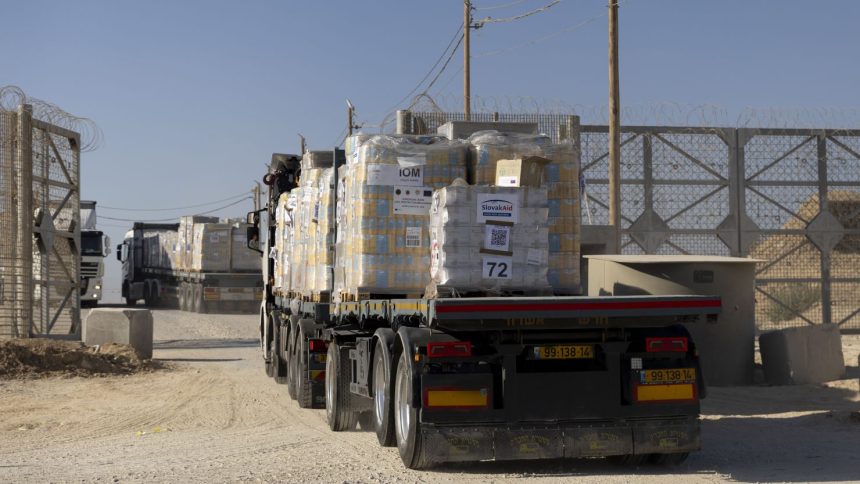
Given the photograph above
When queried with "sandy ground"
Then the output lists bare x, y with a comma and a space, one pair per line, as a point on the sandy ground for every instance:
214, 416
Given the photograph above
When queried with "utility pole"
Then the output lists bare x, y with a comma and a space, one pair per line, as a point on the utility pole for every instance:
350, 112
467, 25
302, 144
614, 128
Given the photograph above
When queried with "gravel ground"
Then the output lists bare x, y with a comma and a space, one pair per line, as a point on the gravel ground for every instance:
213, 416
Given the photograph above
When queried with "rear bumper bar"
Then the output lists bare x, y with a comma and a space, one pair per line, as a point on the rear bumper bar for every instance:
465, 443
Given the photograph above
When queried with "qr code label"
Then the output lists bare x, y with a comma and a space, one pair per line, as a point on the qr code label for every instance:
413, 237
497, 237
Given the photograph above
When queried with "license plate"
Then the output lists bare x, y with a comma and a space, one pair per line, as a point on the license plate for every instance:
667, 375
563, 352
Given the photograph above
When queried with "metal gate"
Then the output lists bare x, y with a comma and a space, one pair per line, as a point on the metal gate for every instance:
788, 197
39, 226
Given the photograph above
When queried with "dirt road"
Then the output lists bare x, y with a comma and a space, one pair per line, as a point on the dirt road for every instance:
214, 416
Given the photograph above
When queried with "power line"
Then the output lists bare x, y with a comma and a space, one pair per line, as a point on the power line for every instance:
496, 7
542, 38
448, 61
490, 20
172, 208
174, 218
457, 34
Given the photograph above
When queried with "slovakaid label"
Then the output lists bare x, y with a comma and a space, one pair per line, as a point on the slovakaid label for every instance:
498, 207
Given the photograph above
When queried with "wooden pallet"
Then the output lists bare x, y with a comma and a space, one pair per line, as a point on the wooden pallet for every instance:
449, 292
317, 297
365, 293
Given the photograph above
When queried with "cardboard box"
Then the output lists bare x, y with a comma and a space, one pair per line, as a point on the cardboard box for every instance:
521, 172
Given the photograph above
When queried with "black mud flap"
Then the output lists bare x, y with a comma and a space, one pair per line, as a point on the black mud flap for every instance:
666, 437
597, 441
521, 444
457, 445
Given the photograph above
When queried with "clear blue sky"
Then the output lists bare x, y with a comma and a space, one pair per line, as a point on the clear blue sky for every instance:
194, 96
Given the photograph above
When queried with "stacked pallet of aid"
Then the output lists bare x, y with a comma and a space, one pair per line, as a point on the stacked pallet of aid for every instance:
283, 243
488, 240
561, 178
385, 193
562, 182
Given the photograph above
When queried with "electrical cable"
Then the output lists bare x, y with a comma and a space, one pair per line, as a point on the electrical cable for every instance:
173, 208
174, 218
444, 66
544, 38
496, 7
490, 20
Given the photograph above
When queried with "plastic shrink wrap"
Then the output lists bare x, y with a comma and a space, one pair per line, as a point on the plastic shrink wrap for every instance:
489, 240
561, 178
385, 192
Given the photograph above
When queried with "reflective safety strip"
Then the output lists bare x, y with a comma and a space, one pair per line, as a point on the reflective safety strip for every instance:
456, 398
654, 393
211, 294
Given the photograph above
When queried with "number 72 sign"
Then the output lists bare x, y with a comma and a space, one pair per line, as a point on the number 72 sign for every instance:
496, 267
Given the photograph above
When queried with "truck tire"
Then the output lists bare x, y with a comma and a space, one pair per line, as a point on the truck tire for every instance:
669, 460
130, 302
147, 293
291, 361
180, 295
338, 405
280, 367
197, 298
304, 393
270, 360
406, 424
383, 417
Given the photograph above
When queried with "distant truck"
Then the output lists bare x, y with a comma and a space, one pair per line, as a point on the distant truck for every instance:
95, 246
197, 265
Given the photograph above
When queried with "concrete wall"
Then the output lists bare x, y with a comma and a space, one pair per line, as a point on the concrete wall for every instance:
727, 347
117, 325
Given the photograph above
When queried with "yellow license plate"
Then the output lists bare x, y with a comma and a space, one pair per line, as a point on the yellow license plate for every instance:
667, 376
563, 352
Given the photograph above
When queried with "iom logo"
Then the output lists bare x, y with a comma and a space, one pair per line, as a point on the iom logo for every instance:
497, 208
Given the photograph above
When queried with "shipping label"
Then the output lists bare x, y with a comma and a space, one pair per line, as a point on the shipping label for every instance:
410, 200
395, 175
496, 267
497, 237
502, 207
413, 237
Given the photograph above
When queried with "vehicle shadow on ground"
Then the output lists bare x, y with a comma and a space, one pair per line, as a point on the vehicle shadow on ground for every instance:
769, 399
203, 344
197, 360
818, 447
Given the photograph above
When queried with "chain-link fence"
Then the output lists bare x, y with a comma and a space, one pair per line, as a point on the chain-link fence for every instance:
39, 227
790, 197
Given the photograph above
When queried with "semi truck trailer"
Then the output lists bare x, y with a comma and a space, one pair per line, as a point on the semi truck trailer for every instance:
151, 276
448, 379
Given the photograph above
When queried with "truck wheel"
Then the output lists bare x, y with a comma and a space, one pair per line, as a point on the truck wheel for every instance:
280, 367
383, 418
130, 302
180, 295
669, 460
304, 393
197, 298
291, 362
338, 408
406, 424
270, 359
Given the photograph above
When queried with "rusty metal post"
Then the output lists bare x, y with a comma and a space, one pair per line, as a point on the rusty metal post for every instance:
24, 221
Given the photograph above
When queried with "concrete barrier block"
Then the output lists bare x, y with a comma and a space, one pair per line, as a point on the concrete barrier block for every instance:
808, 354
118, 325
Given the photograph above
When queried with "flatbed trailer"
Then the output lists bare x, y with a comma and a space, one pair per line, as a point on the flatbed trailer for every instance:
471, 379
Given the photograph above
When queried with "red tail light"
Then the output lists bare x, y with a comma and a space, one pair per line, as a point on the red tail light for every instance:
449, 348
317, 345
677, 344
